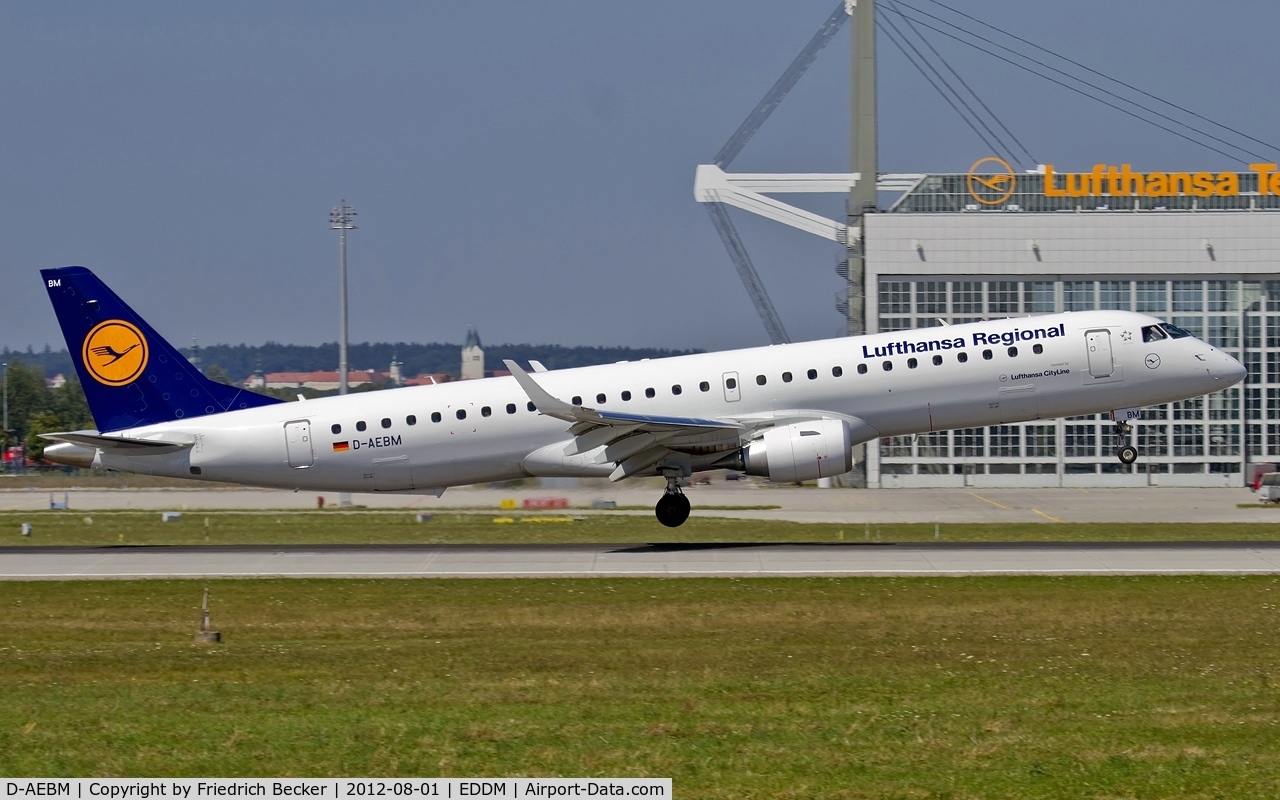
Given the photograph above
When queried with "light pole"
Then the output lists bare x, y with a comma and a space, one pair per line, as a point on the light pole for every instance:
5, 365
341, 219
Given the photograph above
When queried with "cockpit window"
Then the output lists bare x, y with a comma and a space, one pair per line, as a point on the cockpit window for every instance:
1152, 333
1174, 331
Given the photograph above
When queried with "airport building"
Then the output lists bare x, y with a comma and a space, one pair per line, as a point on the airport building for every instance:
1201, 250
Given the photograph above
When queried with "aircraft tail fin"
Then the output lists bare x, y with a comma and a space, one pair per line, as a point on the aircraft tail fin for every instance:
130, 374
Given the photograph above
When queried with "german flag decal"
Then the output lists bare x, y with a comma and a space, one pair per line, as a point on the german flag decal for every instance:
341, 447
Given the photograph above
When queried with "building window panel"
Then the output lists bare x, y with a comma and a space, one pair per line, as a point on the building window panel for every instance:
969, 443
1041, 441
1222, 296
1003, 297
1224, 440
1188, 296
1152, 297
895, 297
966, 297
1188, 440
1039, 296
931, 297
1153, 440
1114, 295
896, 447
1006, 441
1078, 296
1081, 441
932, 445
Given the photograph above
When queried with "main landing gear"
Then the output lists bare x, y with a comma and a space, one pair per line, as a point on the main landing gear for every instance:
1127, 453
673, 509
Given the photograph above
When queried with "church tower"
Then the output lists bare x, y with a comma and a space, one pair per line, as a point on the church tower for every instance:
472, 356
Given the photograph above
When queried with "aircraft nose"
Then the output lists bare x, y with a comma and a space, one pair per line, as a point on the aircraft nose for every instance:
1228, 370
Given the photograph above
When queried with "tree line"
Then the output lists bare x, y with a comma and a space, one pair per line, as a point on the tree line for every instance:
35, 408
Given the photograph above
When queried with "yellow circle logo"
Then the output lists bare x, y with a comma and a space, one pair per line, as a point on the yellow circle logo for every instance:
115, 352
993, 187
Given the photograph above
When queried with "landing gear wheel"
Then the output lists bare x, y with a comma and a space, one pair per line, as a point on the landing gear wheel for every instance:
672, 510
1127, 452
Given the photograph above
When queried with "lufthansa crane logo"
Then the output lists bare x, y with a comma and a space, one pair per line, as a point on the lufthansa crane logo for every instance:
991, 181
115, 352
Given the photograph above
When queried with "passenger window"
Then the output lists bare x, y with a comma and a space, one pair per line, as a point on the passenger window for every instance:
435, 416
360, 426
731, 383
761, 380
912, 363
577, 400
626, 395
1013, 352
937, 361
676, 389
462, 413
532, 407
862, 369
649, 392
600, 398
1037, 349
962, 357
411, 420
786, 377
704, 387
813, 374
386, 422
986, 355
486, 411
336, 429
836, 372
511, 408
887, 366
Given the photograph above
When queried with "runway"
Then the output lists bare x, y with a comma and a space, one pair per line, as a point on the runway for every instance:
643, 560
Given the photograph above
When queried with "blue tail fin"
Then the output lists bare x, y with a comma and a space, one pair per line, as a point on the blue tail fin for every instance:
130, 375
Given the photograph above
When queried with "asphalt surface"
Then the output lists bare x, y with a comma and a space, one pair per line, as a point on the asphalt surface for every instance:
731, 499
657, 560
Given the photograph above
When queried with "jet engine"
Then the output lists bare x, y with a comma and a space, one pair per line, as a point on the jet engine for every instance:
800, 452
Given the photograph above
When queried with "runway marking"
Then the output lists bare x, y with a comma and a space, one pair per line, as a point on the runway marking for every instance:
992, 502
1046, 516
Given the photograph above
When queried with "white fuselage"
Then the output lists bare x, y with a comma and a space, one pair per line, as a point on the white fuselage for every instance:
888, 384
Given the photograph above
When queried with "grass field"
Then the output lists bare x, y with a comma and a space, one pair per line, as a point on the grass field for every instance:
397, 527
886, 688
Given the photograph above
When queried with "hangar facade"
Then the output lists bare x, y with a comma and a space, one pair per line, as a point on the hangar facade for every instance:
1201, 251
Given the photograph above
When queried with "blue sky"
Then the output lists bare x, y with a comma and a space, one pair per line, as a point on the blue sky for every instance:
524, 167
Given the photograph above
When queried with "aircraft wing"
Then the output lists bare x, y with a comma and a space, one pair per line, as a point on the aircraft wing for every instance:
121, 445
635, 442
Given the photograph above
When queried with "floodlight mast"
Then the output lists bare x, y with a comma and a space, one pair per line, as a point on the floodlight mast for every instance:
341, 219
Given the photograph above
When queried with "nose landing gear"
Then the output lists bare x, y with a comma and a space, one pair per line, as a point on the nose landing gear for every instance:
673, 508
1127, 453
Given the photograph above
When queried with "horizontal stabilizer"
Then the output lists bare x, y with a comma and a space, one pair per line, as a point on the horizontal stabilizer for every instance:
119, 445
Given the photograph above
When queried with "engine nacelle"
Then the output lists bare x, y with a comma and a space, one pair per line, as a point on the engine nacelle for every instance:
801, 452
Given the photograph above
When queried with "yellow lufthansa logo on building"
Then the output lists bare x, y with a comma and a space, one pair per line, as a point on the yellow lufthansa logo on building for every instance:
991, 181
115, 352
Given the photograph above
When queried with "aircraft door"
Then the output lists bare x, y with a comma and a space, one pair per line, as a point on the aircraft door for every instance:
732, 389
297, 440
1101, 361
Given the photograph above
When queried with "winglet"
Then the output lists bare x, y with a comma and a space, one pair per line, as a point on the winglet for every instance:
542, 399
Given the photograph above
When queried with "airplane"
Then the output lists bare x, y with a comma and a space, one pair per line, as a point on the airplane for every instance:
788, 412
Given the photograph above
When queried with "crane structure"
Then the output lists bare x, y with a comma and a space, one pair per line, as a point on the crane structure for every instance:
716, 188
